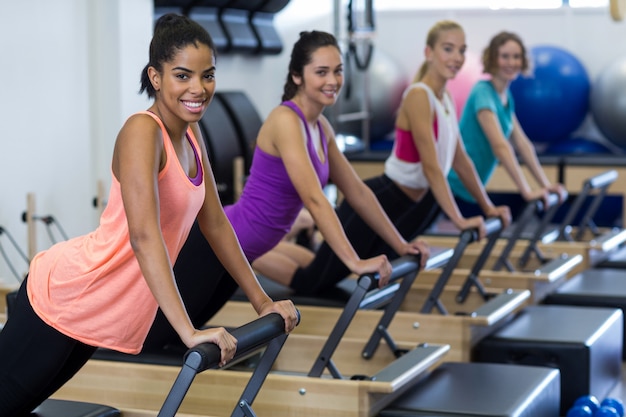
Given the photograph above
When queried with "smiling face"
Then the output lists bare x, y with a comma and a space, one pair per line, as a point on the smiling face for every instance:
448, 54
186, 84
509, 61
322, 77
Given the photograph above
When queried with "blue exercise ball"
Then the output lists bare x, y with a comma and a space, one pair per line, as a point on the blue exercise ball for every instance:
577, 146
615, 403
552, 101
608, 102
590, 401
606, 411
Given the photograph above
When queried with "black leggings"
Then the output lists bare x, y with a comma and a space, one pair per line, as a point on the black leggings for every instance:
410, 218
35, 359
204, 286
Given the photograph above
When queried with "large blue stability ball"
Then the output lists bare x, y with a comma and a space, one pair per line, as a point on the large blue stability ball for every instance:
551, 101
614, 403
608, 102
577, 146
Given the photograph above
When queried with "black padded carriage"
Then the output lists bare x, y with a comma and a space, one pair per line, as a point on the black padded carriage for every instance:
481, 390
602, 287
208, 18
262, 21
584, 343
245, 118
236, 26
223, 146
64, 408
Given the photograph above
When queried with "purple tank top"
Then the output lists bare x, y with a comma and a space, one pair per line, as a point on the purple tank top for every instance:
269, 203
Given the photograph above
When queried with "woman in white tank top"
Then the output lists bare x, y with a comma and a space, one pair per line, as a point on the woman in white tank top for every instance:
435, 133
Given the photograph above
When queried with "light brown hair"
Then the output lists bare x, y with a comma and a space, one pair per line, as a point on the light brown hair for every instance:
490, 54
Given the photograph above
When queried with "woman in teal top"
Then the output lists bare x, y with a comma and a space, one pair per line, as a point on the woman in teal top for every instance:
491, 131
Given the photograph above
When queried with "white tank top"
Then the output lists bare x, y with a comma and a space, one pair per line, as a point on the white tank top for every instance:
411, 174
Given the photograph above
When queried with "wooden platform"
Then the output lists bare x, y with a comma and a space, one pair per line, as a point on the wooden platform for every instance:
539, 282
287, 391
590, 251
461, 332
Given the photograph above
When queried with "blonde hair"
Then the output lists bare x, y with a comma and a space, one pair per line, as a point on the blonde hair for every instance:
431, 41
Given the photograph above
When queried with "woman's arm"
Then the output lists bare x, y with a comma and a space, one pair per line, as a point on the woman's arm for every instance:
528, 154
505, 153
364, 202
466, 171
503, 150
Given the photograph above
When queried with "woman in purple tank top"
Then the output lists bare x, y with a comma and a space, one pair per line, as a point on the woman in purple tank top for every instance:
314, 80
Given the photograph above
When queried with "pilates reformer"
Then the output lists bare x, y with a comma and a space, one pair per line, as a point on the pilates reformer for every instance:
534, 235
597, 243
480, 267
376, 381
265, 333
409, 324
295, 388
